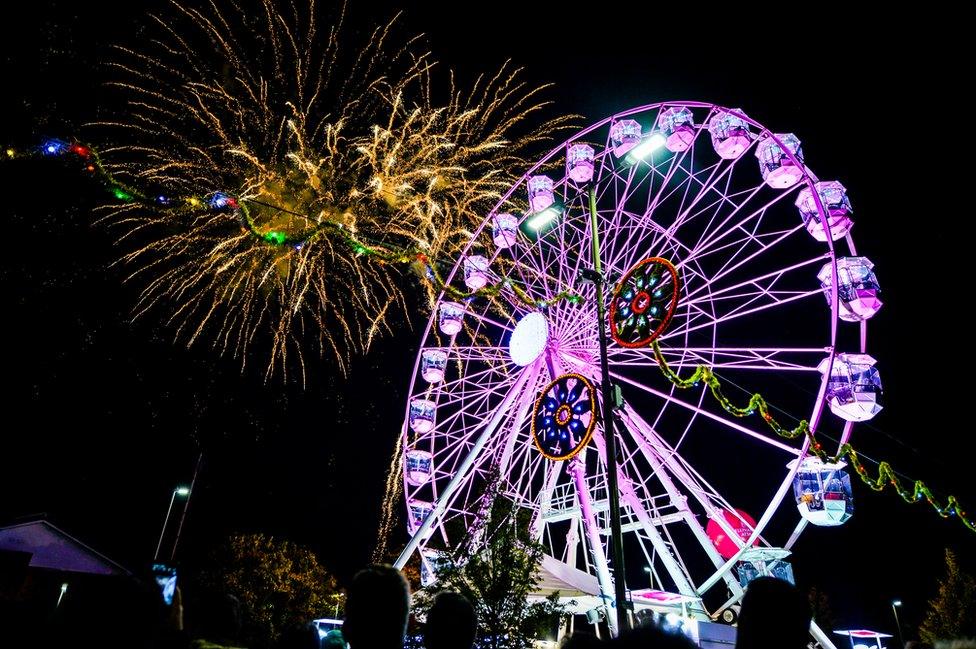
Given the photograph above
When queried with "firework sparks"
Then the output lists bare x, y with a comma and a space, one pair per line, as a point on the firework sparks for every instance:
302, 147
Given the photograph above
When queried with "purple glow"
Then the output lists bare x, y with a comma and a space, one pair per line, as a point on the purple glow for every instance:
833, 195
422, 415
475, 272
419, 511
418, 466
451, 317
579, 162
540, 192
504, 231
624, 136
730, 134
677, 124
433, 363
857, 290
777, 169
854, 387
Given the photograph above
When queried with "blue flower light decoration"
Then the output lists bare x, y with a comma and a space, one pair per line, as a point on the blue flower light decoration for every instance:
564, 417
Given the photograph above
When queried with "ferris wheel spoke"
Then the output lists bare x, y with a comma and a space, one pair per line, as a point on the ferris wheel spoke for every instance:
695, 296
704, 319
714, 235
739, 358
701, 411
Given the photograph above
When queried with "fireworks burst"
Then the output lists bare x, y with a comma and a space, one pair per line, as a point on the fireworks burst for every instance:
298, 151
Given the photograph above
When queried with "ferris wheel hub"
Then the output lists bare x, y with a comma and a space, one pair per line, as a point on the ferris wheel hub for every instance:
529, 339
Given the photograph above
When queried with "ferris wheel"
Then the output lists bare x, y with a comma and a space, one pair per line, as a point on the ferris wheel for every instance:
718, 247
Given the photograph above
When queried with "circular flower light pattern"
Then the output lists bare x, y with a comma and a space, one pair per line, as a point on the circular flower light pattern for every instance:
563, 420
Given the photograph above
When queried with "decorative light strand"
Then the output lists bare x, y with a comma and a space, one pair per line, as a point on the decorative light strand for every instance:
886, 474
220, 201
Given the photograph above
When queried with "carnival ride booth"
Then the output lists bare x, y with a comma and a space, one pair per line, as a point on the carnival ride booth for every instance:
823, 492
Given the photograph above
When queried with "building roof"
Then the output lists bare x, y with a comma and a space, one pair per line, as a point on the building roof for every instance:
54, 549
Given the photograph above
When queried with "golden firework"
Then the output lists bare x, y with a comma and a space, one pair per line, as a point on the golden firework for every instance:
306, 146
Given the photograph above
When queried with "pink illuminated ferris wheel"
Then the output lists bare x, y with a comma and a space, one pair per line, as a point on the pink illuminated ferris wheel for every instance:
719, 248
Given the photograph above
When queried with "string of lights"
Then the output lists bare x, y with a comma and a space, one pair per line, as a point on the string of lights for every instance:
886, 475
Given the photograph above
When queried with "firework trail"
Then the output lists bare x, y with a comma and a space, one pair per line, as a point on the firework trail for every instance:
306, 146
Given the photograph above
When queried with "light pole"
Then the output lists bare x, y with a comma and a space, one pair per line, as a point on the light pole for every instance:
640, 152
894, 609
616, 533
178, 491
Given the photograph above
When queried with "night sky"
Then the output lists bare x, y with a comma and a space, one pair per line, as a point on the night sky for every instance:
104, 416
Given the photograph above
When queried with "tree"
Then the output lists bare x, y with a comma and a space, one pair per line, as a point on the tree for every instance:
498, 579
952, 612
279, 584
823, 615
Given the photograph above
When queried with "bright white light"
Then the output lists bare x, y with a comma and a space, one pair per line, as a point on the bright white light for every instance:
672, 619
543, 218
183, 491
897, 602
529, 339
649, 145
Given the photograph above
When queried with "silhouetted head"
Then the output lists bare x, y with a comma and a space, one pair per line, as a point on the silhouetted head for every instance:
302, 636
651, 636
377, 605
451, 622
774, 615
583, 640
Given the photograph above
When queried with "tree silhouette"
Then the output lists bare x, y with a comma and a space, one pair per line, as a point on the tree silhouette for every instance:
279, 584
952, 612
498, 577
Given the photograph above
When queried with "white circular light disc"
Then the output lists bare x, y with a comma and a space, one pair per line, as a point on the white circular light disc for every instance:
529, 339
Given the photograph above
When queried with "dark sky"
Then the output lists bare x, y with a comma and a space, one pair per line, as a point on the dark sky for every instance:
104, 416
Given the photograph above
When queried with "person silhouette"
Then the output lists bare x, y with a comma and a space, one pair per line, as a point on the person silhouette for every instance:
377, 606
451, 622
774, 615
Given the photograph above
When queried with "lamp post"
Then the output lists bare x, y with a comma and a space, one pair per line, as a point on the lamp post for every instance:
178, 491
609, 433
894, 609
537, 222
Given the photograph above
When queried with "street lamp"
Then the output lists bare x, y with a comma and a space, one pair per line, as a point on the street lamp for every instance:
183, 492
894, 609
538, 222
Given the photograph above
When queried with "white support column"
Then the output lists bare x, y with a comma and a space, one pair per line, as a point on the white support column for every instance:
527, 377
578, 470
644, 437
628, 496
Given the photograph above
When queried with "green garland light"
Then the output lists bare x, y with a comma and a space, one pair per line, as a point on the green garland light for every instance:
360, 247
886, 474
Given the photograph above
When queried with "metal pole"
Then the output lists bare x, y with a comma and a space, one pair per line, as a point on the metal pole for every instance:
894, 609
616, 535
186, 504
162, 532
